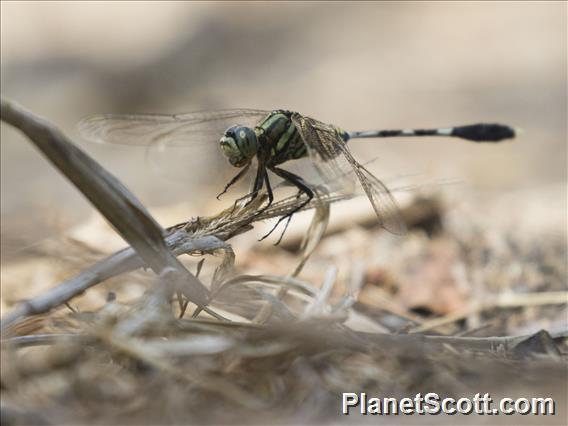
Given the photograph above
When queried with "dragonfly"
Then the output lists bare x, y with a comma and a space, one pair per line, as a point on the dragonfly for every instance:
274, 138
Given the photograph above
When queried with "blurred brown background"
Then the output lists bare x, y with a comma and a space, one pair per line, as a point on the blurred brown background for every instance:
358, 65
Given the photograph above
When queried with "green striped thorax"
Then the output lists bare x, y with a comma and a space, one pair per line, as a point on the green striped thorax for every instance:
276, 135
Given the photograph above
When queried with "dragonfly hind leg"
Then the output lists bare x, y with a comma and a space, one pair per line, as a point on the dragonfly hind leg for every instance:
303, 188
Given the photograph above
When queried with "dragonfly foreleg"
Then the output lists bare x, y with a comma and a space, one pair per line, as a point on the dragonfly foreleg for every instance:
257, 186
303, 188
234, 180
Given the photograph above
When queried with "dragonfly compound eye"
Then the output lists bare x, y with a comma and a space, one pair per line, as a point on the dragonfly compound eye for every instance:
239, 144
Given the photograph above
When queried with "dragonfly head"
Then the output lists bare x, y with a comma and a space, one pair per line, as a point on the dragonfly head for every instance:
239, 144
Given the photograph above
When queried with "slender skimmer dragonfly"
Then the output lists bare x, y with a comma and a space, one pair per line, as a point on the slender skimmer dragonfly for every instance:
273, 138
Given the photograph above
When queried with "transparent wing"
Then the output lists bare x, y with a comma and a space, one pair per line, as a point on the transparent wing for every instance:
166, 130
325, 154
177, 146
334, 161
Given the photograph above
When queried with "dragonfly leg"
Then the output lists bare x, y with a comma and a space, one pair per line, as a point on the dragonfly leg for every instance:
289, 218
235, 179
258, 182
268, 190
303, 188
269, 193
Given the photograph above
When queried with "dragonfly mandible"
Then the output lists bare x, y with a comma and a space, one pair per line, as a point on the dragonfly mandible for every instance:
273, 138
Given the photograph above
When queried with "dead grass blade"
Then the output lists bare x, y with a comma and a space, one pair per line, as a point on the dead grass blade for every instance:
115, 202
